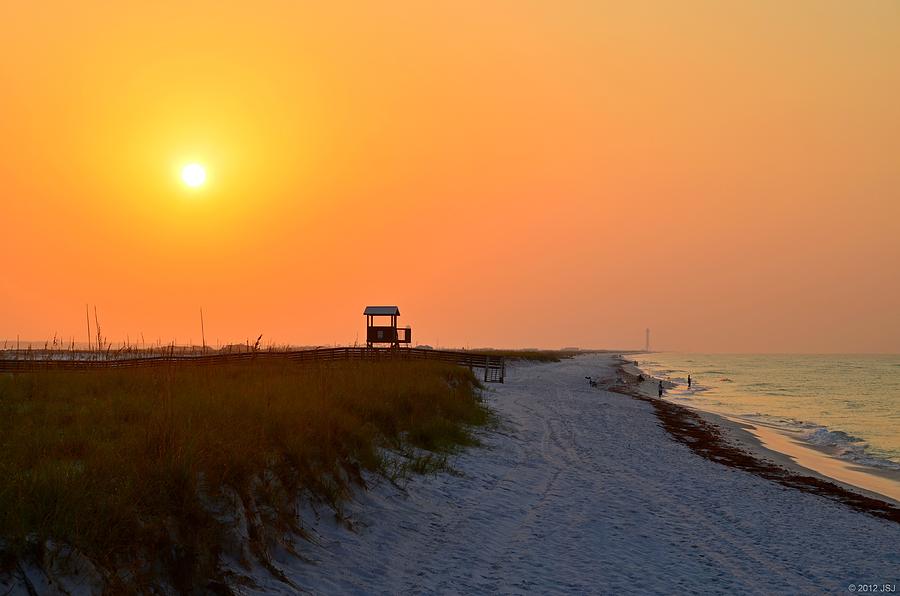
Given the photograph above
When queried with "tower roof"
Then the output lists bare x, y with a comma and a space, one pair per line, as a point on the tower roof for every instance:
382, 311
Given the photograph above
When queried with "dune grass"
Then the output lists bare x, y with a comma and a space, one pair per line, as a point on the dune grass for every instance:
122, 464
531, 355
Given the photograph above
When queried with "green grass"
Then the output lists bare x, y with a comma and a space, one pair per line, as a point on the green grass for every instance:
532, 355
115, 463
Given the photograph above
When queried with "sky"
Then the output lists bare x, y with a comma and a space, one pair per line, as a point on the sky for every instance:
509, 173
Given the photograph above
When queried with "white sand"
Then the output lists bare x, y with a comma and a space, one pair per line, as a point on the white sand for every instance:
582, 491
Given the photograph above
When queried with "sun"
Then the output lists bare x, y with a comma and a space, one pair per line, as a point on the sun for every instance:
193, 175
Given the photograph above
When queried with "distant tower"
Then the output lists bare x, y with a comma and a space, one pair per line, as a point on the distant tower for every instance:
647, 340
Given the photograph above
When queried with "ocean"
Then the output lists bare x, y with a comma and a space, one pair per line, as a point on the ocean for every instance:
848, 405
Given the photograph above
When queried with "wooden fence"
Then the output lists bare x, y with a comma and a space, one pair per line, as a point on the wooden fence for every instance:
494, 367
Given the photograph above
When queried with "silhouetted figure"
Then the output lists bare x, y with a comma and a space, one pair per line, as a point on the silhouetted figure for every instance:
640, 378
689, 381
660, 389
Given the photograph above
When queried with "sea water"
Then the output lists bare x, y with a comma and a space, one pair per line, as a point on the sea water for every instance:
848, 405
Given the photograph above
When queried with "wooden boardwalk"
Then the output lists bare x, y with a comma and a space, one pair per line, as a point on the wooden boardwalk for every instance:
492, 367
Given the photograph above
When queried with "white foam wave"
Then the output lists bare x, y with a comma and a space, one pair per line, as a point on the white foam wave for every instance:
837, 442
848, 447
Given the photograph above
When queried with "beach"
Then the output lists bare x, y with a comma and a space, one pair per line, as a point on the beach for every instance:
803, 445
581, 489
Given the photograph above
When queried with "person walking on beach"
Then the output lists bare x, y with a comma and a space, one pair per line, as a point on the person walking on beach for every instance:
689, 381
660, 389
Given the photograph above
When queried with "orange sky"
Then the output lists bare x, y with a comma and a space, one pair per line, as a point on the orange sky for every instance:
509, 173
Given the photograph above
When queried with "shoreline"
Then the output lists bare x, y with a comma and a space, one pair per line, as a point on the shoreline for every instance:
868, 480
784, 448
788, 444
740, 444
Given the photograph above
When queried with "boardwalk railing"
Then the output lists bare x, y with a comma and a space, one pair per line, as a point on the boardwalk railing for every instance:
494, 367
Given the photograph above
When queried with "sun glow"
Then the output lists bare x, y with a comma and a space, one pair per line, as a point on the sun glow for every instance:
193, 175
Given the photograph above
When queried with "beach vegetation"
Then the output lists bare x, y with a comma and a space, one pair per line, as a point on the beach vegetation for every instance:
149, 468
529, 355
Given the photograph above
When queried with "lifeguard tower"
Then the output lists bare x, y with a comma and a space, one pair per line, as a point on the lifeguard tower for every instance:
385, 334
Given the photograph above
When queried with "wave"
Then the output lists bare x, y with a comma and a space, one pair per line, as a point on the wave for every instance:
848, 447
836, 442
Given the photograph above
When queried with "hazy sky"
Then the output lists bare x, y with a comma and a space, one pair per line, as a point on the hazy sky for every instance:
515, 173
